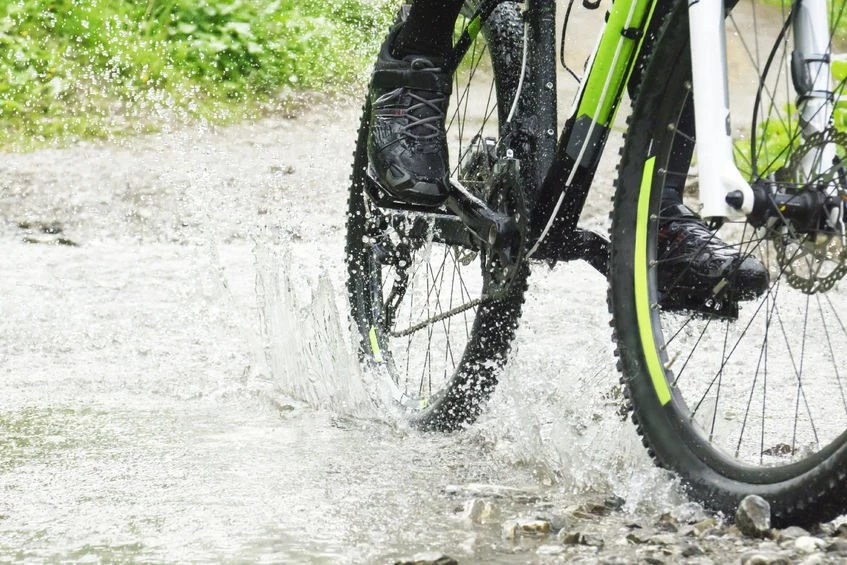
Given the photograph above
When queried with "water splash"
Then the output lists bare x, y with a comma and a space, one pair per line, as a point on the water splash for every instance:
574, 439
306, 348
558, 409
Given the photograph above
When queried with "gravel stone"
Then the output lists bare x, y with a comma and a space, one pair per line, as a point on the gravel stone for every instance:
614, 502
428, 558
790, 533
638, 537
765, 559
814, 559
769, 545
593, 540
691, 551
663, 539
513, 529
668, 523
579, 538
838, 545
588, 511
569, 538
753, 516
478, 510
705, 527
557, 521
809, 544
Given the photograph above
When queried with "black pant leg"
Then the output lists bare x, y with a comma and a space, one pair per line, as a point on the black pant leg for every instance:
429, 28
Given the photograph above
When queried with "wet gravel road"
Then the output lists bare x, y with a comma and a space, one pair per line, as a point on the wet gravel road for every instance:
178, 382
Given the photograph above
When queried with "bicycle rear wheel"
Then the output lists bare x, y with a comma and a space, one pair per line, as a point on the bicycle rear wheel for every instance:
738, 397
420, 290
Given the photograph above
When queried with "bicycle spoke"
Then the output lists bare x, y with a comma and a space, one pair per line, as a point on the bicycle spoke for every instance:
733, 347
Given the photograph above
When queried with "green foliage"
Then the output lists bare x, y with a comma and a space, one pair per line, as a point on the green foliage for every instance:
839, 74
82, 68
776, 139
779, 136
838, 14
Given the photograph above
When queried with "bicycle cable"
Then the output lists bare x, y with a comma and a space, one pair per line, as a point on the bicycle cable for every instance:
518, 91
562, 45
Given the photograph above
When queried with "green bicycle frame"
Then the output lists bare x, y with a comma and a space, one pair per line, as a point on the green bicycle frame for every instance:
562, 193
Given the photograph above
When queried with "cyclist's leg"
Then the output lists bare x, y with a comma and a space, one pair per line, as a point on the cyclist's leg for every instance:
428, 29
410, 89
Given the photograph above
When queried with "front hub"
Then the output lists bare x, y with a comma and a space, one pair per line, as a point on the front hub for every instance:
801, 209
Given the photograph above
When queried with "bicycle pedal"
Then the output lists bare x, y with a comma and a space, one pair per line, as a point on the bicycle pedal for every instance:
699, 305
492, 227
382, 199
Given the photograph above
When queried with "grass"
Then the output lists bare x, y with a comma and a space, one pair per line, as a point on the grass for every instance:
778, 137
72, 69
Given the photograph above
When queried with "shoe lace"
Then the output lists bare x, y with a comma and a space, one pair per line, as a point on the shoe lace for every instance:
692, 236
429, 122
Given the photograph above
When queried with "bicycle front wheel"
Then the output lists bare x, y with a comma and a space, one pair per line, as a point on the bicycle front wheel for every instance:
420, 289
739, 396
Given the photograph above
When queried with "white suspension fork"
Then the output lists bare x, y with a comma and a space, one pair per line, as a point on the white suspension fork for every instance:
813, 78
811, 67
718, 174
811, 60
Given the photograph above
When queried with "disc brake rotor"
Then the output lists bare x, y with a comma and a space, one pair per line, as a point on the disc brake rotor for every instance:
814, 262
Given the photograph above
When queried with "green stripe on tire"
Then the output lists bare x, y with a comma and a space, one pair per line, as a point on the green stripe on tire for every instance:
642, 291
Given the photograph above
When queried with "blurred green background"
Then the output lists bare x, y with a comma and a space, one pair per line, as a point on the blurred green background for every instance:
73, 69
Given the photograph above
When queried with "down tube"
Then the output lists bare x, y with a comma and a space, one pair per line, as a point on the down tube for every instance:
582, 142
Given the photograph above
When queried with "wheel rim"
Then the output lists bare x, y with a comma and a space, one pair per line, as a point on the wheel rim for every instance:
761, 397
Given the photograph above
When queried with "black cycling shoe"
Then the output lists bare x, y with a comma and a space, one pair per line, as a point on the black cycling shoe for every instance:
407, 143
696, 266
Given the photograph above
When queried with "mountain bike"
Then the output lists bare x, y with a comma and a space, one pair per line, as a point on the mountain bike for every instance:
737, 395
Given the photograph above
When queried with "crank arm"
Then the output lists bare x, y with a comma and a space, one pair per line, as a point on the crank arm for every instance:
486, 224
499, 233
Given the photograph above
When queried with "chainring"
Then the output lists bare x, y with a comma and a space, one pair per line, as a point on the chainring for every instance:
495, 181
